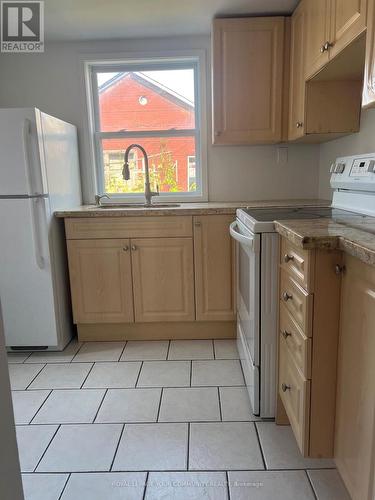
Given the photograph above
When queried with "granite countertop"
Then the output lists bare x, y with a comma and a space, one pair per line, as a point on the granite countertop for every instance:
184, 209
356, 236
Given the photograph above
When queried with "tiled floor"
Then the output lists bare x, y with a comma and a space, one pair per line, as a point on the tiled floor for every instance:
153, 420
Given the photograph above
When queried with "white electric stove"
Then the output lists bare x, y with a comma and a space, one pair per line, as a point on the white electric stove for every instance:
353, 181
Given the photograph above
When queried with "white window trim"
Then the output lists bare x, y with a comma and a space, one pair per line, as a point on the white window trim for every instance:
193, 55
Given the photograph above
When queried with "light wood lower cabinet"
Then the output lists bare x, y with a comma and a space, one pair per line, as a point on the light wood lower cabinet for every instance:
101, 281
214, 268
355, 410
179, 277
309, 318
163, 279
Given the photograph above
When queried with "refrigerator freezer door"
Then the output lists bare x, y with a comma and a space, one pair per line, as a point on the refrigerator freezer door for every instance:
21, 171
26, 285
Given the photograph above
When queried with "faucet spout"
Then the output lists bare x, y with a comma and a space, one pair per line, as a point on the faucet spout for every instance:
126, 172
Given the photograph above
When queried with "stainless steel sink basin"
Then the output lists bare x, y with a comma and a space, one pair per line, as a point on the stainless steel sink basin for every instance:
136, 205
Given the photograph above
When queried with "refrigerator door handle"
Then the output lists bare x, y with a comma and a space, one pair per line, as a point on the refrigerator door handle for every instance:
36, 230
26, 127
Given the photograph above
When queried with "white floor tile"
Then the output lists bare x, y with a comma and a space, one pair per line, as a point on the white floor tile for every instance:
187, 486
189, 404
224, 446
99, 351
21, 375
64, 356
113, 375
164, 374
105, 486
145, 350
32, 442
70, 406
328, 485
281, 451
17, 357
26, 404
235, 404
226, 349
43, 486
61, 376
130, 405
191, 349
217, 373
269, 485
152, 447
81, 448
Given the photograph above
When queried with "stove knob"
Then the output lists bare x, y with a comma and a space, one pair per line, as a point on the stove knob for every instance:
371, 166
332, 169
339, 168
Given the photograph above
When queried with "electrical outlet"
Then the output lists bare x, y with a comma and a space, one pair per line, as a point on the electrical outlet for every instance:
282, 155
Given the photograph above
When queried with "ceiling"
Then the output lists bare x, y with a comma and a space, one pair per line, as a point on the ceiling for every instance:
110, 19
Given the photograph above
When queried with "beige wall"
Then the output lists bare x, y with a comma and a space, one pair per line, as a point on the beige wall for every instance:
54, 82
363, 142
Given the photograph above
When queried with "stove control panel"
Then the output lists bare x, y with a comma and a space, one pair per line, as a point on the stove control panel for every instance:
354, 173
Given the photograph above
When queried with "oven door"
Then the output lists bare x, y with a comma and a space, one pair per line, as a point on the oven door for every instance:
248, 287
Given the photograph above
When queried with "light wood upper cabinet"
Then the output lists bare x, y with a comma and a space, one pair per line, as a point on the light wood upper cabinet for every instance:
297, 84
101, 281
348, 21
247, 73
163, 279
368, 96
355, 405
331, 26
214, 268
317, 34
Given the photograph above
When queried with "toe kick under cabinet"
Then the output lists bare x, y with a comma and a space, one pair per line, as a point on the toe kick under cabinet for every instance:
151, 276
308, 342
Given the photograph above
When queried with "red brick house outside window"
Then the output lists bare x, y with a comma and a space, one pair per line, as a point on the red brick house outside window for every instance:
132, 101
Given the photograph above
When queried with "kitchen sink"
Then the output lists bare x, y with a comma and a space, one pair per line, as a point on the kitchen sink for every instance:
136, 205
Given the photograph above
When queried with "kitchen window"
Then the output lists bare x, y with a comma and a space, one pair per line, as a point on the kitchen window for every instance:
155, 104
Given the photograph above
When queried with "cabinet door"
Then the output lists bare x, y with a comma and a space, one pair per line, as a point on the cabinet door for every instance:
247, 80
355, 404
101, 283
348, 20
163, 279
297, 73
214, 268
317, 33
368, 96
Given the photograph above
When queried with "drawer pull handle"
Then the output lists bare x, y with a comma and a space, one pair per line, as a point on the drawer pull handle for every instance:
285, 387
288, 257
286, 334
286, 296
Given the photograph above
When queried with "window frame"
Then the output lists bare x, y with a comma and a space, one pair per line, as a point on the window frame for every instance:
194, 60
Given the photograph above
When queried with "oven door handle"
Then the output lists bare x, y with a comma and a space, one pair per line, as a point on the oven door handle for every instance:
241, 238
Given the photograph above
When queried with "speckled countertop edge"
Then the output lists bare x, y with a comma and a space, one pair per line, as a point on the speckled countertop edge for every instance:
329, 234
204, 208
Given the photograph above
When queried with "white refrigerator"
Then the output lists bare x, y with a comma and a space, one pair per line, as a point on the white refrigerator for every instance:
39, 174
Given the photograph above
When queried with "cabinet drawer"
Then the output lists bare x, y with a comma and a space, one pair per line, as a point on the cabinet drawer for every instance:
297, 301
298, 344
298, 262
128, 227
294, 392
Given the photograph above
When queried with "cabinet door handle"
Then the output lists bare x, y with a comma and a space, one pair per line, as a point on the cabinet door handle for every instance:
125, 248
288, 257
285, 387
287, 296
299, 124
339, 269
286, 334
134, 247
